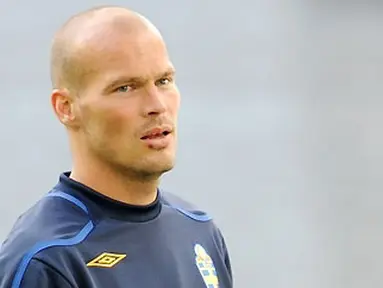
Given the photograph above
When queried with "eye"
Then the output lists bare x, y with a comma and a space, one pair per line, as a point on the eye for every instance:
164, 81
125, 88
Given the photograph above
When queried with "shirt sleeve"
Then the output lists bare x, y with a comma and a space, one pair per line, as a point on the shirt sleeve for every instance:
227, 258
39, 275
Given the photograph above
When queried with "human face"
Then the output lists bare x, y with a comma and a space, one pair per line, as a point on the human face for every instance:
128, 109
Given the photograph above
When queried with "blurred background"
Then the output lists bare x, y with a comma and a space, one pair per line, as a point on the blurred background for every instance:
280, 138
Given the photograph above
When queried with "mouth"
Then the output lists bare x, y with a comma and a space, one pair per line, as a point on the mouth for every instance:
156, 133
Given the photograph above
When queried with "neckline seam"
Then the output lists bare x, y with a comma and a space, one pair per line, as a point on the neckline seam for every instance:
102, 207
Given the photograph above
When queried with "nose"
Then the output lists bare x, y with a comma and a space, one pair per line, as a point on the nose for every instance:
154, 103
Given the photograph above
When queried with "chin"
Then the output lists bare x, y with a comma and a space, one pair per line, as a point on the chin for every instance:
153, 168
160, 167
159, 160
152, 173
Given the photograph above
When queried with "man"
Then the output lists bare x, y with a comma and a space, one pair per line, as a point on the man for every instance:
105, 223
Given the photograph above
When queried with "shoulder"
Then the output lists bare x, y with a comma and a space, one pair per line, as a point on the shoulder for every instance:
50, 222
187, 209
184, 207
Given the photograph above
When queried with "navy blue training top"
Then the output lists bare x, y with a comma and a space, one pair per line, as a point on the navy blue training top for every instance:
77, 237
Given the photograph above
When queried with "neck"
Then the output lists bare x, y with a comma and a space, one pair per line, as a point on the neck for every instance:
113, 183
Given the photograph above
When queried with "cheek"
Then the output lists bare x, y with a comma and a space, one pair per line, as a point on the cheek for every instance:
118, 124
107, 124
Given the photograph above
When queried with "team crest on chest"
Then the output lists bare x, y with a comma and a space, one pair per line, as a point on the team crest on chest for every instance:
206, 267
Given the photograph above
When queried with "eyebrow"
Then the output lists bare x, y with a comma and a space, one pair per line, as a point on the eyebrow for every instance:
126, 80
169, 72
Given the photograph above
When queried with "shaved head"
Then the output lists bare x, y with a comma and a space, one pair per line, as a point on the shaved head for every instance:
75, 45
113, 85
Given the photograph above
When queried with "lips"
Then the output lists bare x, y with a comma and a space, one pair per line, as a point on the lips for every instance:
157, 138
158, 132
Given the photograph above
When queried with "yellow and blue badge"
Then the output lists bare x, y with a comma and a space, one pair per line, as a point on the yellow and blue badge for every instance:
206, 267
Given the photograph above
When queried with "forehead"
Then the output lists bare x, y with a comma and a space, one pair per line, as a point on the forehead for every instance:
141, 55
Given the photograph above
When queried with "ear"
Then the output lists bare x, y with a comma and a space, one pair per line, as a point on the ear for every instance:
63, 106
